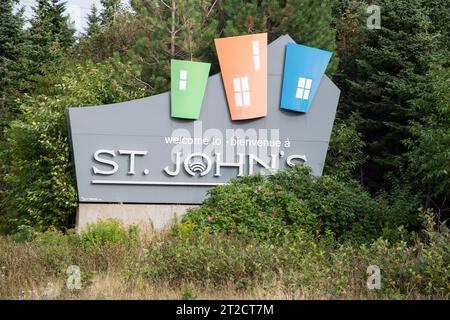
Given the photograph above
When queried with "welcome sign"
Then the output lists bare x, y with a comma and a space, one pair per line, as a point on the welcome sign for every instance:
267, 111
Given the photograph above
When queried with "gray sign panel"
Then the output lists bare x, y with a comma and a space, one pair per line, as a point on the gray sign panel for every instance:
134, 152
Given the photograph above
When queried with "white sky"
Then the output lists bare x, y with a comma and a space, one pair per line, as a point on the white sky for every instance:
77, 9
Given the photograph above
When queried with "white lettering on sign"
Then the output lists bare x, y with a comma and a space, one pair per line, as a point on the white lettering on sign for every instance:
239, 164
200, 153
201, 163
132, 155
111, 163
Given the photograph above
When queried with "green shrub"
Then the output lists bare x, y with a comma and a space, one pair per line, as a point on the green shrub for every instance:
292, 201
291, 265
109, 231
252, 206
24, 233
188, 292
300, 262
345, 154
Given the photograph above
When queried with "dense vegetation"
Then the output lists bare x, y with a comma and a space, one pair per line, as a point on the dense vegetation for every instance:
294, 201
116, 262
388, 163
391, 134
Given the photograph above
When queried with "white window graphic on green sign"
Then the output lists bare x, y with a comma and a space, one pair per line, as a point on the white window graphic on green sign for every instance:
303, 88
183, 80
186, 100
241, 92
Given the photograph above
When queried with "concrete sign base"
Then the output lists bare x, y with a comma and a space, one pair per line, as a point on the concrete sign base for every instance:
156, 216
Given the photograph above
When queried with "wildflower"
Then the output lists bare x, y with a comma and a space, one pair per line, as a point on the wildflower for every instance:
301, 200
210, 218
274, 213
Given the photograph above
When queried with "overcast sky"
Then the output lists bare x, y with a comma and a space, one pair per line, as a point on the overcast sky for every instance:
77, 9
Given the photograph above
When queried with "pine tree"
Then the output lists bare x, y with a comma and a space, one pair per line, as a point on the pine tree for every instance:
383, 72
12, 46
429, 156
50, 31
439, 11
93, 22
50, 26
111, 8
177, 30
306, 21
60, 22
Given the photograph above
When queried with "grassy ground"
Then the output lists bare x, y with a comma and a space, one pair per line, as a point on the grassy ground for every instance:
123, 264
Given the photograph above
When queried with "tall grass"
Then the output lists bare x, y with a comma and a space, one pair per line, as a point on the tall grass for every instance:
120, 263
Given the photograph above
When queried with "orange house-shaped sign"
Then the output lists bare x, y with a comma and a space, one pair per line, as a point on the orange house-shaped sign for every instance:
243, 63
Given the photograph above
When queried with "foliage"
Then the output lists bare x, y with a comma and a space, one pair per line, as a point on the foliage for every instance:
439, 11
35, 156
199, 265
429, 155
111, 9
93, 23
12, 58
382, 69
173, 30
108, 231
294, 201
49, 30
306, 21
300, 262
164, 30
345, 152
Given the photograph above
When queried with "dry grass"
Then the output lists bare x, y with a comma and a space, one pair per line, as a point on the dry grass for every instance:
159, 266
115, 286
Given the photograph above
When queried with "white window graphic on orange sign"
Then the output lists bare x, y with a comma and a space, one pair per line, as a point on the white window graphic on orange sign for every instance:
303, 88
183, 80
256, 57
241, 92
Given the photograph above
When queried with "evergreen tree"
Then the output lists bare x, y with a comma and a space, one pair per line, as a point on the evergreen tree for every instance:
50, 26
12, 47
61, 26
111, 8
306, 21
429, 156
176, 30
50, 31
93, 22
439, 11
186, 29
386, 70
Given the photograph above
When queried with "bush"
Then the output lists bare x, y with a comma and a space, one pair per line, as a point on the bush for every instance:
203, 265
294, 201
346, 150
108, 231
35, 158
300, 262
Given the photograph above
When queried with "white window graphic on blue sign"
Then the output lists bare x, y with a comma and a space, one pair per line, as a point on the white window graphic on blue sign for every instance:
304, 68
241, 92
303, 88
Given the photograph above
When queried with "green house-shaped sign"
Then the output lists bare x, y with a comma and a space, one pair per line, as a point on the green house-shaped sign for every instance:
188, 85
